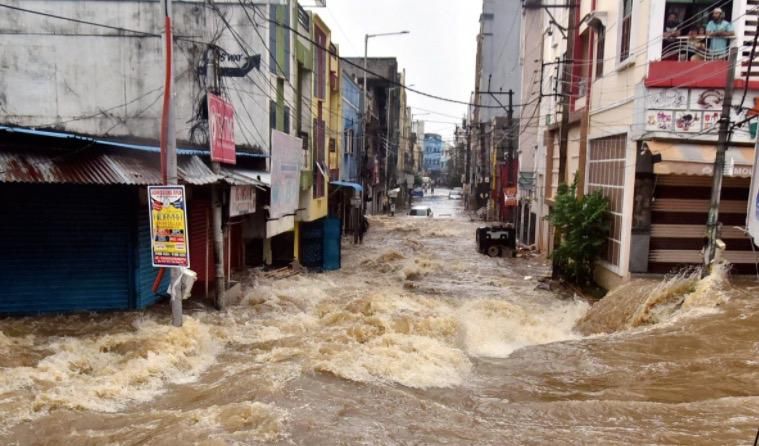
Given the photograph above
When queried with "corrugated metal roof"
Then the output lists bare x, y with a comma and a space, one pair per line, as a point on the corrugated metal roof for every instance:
193, 170
123, 145
237, 176
113, 167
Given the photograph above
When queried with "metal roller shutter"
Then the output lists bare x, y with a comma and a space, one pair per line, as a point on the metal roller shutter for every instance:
145, 274
65, 248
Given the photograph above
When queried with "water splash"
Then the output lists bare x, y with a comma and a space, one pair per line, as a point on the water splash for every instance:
644, 302
106, 372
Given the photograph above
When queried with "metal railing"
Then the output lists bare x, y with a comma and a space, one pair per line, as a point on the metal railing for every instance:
696, 48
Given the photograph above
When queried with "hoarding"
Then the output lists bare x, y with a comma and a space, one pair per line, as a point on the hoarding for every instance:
286, 164
169, 243
221, 127
242, 200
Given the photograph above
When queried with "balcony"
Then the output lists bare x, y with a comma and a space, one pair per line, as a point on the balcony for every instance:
689, 62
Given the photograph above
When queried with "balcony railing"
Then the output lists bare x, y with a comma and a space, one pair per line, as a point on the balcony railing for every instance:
690, 48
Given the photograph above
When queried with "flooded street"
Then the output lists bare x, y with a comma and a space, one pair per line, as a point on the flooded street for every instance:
418, 339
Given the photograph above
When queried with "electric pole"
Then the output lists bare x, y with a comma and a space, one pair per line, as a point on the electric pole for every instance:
217, 212
510, 150
467, 164
169, 137
723, 143
566, 89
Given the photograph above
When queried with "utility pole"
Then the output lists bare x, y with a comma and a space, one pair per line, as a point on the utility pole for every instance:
566, 89
169, 137
510, 148
387, 142
364, 152
467, 164
216, 215
723, 143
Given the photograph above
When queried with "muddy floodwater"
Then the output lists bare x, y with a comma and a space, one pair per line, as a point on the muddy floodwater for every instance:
417, 340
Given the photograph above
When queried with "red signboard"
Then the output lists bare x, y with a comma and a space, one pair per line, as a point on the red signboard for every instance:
221, 125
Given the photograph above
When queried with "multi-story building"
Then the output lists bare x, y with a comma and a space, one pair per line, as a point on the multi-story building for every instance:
531, 157
351, 111
498, 73
382, 125
85, 105
417, 129
643, 110
433, 154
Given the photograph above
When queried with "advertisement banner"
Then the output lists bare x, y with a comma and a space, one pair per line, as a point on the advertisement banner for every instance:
286, 164
752, 217
221, 128
169, 243
242, 200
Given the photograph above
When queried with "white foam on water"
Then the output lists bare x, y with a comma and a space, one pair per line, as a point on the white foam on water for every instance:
107, 372
496, 328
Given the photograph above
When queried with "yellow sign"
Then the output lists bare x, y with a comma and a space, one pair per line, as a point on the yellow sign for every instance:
168, 226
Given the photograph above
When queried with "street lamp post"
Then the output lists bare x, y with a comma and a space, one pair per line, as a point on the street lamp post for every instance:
364, 107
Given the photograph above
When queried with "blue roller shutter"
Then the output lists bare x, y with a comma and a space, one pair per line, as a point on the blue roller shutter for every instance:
66, 248
331, 244
145, 274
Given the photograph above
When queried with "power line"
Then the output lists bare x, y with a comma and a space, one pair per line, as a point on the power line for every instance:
388, 80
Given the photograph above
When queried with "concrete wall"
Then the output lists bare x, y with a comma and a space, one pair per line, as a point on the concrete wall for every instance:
84, 79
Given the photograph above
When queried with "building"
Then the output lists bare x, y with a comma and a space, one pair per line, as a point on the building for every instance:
433, 155
642, 130
531, 156
497, 81
382, 126
80, 127
417, 128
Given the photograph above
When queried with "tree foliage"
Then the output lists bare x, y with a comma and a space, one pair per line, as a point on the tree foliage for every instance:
584, 227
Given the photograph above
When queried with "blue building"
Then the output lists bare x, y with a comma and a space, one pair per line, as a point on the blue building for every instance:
433, 153
352, 129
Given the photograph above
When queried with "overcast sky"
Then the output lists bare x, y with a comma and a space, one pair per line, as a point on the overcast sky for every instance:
438, 55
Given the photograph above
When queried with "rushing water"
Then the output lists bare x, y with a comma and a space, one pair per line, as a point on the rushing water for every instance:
417, 340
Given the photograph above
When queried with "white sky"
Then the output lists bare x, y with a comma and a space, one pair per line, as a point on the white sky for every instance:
438, 55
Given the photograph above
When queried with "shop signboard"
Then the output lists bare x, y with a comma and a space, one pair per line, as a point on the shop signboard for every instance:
221, 125
242, 200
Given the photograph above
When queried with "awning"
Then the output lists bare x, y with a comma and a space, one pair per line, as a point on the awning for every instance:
96, 167
698, 159
357, 187
242, 177
118, 144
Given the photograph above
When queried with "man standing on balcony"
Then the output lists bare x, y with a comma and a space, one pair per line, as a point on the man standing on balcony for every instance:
670, 36
719, 31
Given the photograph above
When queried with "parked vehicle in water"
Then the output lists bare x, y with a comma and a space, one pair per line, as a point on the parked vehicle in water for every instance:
497, 241
417, 192
457, 193
420, 211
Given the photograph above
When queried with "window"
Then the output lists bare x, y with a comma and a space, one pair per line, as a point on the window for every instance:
601, 36
625, 37
286, 128
320, 65
348, 142
606, 173
319, 169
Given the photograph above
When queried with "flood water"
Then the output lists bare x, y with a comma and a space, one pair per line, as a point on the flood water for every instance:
417, 340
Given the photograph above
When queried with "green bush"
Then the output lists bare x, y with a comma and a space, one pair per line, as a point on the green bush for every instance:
584, 227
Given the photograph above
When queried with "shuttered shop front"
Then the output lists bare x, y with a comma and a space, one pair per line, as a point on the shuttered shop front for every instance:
66, 248
678, 222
